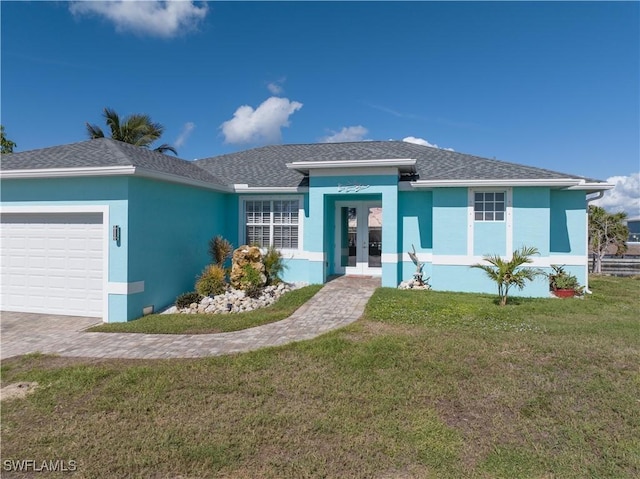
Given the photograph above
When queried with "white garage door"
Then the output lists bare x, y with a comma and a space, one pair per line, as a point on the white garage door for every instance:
52, 263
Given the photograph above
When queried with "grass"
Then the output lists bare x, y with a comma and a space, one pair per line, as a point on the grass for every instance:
213, 323
426, 385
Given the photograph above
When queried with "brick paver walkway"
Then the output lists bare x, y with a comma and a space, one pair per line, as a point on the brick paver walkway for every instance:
339, 303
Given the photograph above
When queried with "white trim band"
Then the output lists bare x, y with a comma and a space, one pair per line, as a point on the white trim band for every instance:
125, 288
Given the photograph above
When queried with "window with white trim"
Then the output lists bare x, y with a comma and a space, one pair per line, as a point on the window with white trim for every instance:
272, 223
489, 205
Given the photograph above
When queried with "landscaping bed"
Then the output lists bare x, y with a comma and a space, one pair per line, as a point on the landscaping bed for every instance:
204, 323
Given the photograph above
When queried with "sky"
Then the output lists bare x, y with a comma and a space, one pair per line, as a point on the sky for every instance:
553, 85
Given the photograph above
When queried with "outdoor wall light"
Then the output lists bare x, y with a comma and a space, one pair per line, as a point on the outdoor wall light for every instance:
116, 233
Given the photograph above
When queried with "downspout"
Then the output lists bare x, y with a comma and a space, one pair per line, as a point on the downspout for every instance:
593, 198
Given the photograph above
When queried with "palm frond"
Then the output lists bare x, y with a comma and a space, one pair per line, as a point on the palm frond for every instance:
509, 273
166, 148
94, 131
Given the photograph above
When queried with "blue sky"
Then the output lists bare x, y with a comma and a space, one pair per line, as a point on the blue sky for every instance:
548, 84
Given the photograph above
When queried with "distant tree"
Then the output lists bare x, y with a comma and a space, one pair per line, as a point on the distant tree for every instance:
605, 230
136, 129
510, 273
6, 144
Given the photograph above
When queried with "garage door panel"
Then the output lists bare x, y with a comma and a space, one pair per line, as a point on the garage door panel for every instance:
17, 261
52, 263
56, 262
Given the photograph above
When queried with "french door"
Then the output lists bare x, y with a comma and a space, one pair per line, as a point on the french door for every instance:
358, 238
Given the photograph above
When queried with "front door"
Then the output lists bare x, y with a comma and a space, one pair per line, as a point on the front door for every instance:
358, 238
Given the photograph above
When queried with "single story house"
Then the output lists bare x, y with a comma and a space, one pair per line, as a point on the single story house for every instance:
102, 228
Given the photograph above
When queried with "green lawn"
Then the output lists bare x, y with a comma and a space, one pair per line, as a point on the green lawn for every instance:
427, 385
213, 323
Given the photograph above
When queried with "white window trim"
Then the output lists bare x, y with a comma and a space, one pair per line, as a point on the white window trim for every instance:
490, 190
508, 217
288, 253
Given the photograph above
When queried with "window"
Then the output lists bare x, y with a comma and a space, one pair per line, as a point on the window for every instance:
272, 223
489, 206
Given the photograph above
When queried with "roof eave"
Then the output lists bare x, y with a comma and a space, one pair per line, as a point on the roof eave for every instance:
109, 171
244, 188
404, 165
565, 183
591, 186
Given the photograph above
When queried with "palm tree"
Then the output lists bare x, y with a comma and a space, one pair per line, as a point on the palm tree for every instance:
136, 129
6, 145
510, 273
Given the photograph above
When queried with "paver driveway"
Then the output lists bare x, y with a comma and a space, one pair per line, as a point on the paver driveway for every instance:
338, 303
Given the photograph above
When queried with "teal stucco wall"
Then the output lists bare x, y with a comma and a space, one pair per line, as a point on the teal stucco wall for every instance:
324, 191
450, 221
170, 226
112, 192
165, 228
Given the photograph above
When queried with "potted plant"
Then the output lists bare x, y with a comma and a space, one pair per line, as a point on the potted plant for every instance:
563, 284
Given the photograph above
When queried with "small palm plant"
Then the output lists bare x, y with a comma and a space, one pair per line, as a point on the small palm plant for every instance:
510, 273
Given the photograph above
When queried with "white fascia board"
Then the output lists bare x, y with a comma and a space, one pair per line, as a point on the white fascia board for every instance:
243, 188
158, 175
592, 186
109, 171
69, 172
305, 166
553, 182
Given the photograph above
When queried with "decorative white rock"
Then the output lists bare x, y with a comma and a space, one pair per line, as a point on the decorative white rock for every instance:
237, 300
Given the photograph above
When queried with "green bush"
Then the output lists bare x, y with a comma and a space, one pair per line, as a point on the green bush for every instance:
212, 281
274, 265
251, 282
561, 279
185, 299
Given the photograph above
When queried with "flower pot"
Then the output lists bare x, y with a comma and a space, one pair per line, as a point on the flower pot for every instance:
564, 293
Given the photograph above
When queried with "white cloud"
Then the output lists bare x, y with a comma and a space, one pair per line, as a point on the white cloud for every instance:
348, 133
625, 196
423, 142
184, 134
274, 88
262, 125
155, 18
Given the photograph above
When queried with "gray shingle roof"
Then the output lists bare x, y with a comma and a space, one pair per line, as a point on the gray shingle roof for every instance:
105, 152
266, 166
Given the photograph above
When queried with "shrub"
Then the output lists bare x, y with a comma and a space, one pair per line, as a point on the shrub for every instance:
185, 299
212, 281
274, 265
251, 282
220, 250
561, 279
510, 273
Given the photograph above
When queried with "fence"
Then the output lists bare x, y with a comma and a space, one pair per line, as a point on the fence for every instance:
617, 266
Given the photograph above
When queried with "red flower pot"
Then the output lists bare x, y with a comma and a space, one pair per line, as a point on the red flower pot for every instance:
564, 293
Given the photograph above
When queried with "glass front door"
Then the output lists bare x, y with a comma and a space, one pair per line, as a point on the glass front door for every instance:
359, 238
